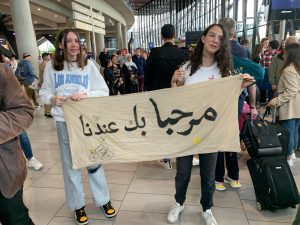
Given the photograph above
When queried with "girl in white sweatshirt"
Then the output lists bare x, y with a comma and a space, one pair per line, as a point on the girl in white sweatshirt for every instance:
72, 76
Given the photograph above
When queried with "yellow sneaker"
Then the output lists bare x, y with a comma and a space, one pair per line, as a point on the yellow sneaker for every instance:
233, 183
220, 186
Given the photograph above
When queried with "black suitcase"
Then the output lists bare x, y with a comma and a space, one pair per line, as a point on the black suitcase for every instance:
273, 182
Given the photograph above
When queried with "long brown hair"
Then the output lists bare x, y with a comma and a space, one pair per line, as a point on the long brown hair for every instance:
222, 56
292, 57
257, 50
61, 54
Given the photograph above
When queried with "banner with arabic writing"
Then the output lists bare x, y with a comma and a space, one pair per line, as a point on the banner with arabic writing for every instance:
167, 123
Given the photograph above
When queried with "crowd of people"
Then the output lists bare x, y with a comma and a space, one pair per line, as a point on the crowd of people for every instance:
122, 73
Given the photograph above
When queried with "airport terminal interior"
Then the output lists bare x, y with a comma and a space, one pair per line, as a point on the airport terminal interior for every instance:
142, 193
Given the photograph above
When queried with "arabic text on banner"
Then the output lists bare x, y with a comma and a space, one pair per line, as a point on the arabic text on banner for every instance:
167, 123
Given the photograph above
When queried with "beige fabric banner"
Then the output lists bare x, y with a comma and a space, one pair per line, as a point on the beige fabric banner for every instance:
168, 123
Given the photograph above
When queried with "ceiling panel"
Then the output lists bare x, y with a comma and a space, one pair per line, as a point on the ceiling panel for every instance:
140, 3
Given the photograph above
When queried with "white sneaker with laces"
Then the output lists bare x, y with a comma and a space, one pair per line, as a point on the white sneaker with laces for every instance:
35, 164
293, 157
174, 213
166, 163
195, 161
290, 162
209, 217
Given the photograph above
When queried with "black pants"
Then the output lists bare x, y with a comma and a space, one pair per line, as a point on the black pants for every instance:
13, 211
207, 173
232, 166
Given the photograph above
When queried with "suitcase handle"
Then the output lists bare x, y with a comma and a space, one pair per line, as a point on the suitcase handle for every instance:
268, 110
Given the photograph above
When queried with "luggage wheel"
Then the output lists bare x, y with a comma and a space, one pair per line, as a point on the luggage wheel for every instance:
258, 206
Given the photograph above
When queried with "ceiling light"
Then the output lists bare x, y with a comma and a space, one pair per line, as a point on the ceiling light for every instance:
39, 9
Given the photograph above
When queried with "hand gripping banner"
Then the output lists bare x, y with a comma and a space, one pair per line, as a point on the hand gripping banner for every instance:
167, 123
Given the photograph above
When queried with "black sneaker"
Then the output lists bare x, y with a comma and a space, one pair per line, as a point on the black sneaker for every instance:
109, 211
81, 217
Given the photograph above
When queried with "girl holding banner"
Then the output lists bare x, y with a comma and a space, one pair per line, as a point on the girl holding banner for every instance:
210, 60
71, 76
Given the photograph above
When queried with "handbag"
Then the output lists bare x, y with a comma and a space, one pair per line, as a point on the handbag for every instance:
260, 138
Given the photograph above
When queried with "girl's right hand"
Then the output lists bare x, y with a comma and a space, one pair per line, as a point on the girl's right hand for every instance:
58, 100
178, 78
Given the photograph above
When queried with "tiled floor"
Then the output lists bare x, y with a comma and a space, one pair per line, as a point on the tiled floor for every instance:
141, 192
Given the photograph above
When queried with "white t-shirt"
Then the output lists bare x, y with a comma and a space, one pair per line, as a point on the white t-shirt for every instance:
202, 74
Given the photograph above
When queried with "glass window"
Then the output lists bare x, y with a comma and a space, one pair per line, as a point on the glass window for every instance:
240, 10
250, 8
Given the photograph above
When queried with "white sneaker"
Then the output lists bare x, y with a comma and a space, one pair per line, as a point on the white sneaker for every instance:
195, 161
293, 157
174, 213
35, 164
166, 163
209, 217
290, 162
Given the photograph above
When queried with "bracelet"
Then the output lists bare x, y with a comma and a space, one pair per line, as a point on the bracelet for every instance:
252, 107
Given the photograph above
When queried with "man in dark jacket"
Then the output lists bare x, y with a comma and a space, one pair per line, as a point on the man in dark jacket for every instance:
161, 64
16, 115
163, 61
104, 58
140, 63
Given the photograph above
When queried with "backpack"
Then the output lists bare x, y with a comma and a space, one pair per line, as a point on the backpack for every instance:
20, 72
245, 65
23, 75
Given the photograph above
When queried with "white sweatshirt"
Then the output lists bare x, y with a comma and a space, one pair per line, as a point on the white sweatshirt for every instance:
69, 81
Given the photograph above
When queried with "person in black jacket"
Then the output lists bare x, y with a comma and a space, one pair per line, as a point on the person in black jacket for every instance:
104, 58
163, 61
110, 78
161, 64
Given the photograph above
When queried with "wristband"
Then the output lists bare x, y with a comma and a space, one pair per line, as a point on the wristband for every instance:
252, 107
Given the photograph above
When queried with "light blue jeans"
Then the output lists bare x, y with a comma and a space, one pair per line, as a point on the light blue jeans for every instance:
72, 178
292, 125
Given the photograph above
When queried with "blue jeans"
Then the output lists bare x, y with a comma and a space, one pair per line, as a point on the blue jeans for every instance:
72, 178
207, 173
25, 144
292, 125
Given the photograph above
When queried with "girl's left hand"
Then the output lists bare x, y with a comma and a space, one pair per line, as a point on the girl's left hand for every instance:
271, 104
78, 96
247, 80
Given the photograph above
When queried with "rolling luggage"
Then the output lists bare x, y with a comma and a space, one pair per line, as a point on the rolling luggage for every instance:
273, 182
